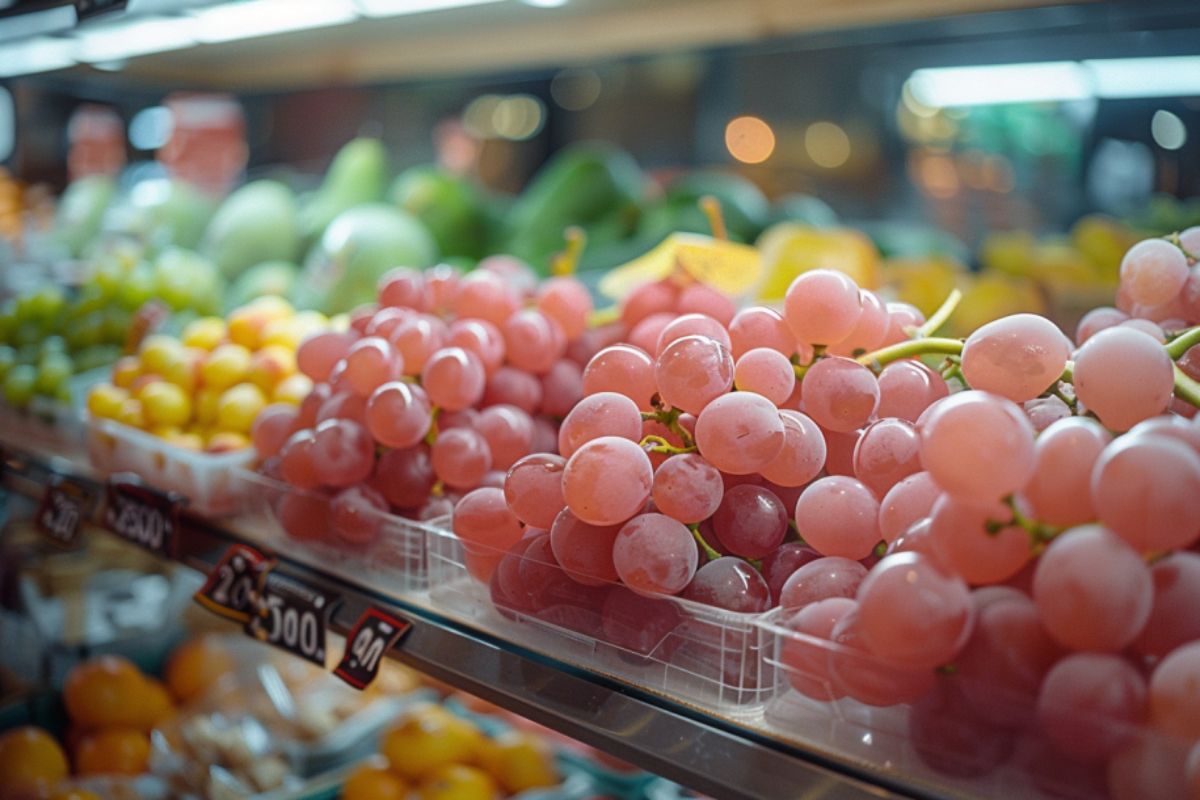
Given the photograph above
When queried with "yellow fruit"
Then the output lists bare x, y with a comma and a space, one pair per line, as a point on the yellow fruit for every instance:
165, 404
195, 666
271, 306
104, 400
790, 248
113, 751
205, 404
427, 741
370, 782
158, 351
519, 762
458, 782
237, 407
126, 371
227, 365
989, 297
185, 373
104, 692
31, 762
292, 389
130, 413
227, 441
248, 323
284, 332
924, 283
270, 365
205, 333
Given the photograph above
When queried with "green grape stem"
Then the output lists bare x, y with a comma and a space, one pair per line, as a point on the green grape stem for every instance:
879, 359
657, 444
669, 418
1183, 342
708, 550
432, 434
941, 315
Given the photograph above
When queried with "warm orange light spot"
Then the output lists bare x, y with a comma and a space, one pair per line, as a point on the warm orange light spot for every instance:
749, 139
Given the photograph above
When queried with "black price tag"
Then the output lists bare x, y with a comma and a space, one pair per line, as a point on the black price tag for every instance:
64, 507
235, 583
147, 517
373, 635
292, 617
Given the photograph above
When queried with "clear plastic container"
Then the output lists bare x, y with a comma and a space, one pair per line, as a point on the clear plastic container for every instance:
49, 426
702, 655
372, 548
959, 736
208, 480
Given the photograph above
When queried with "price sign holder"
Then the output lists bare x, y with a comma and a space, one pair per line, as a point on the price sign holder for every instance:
144, 516
65, 506
292, 617
235, 583
374, 634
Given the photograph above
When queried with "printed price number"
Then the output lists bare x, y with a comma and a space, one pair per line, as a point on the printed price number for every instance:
235, 583
64, 507
374, 634
292, 617
142, 515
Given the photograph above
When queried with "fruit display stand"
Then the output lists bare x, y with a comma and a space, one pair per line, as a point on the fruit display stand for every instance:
714, 753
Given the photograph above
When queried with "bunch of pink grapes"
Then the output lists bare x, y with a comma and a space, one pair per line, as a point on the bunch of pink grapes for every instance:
435, 390
1005, 540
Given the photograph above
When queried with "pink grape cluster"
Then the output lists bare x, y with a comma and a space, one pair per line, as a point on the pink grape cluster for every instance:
973, 540
435, 390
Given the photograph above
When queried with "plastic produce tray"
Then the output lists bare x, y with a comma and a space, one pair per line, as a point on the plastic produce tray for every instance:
702, 655
388, 554
208, 480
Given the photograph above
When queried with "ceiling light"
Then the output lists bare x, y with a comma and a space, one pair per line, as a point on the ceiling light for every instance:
247, 20
1168, 76
1001, 83
391, 8
40, 54
134, 37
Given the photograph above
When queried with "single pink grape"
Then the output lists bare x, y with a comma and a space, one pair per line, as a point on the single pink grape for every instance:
453, 378
1175, 693
870, 331
654, 553
319, 352
766, 372
901, 316
838, 516
358, 515
1097, 320
533, 341
516, 274
651, 298
484, 521
404, 287
780, 564
533, 489
750, 521
479, 337
484, 295
1090, 703
607, 481
442, 282
731, 584
387, 319
1151, 329
398, 414
739, 433
1093, 590
687, 488
758, 326
830, 576
888, 451
822, 307
1153, 270
840, 394
1170, 426
1059, 491
272, 428
1150, 766
969, 545
1045, 411
514, 387
416, 339
913, 613
562, 388
1018, 356
566, 301
691, 325
1173, 621
585, 552
343, 453
371, 362
907, 388
343, 405
977, 446
460, 458
868, 678
625, 370
802, 455
599, 414
1123, 376
296, 464
405, 476
508, 431
645, 334
1146, 489
905, 503
693, 371
700, 298
805, 655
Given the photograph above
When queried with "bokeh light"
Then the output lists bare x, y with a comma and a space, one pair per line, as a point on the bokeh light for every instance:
749, 139
827, 144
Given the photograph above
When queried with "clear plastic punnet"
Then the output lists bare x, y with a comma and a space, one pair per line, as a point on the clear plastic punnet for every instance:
699, 654
975, 730
207, 480
355, 541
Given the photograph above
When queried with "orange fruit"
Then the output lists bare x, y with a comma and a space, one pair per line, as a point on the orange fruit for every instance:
430, 739
105, 691
458, 782
519, 761
156, 706
370, 782
75, 794
31, 762
195, 666
113, 751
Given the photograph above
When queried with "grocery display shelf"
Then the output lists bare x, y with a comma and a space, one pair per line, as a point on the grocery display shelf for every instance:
699, 749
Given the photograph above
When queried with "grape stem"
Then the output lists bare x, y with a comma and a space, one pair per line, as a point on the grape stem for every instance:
941, 315
1178, 242
669, 418
657, 444
879, 359
1186, 389
432, 434
711, 207
567, 260
708, 550
1183, 342
1039, 533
